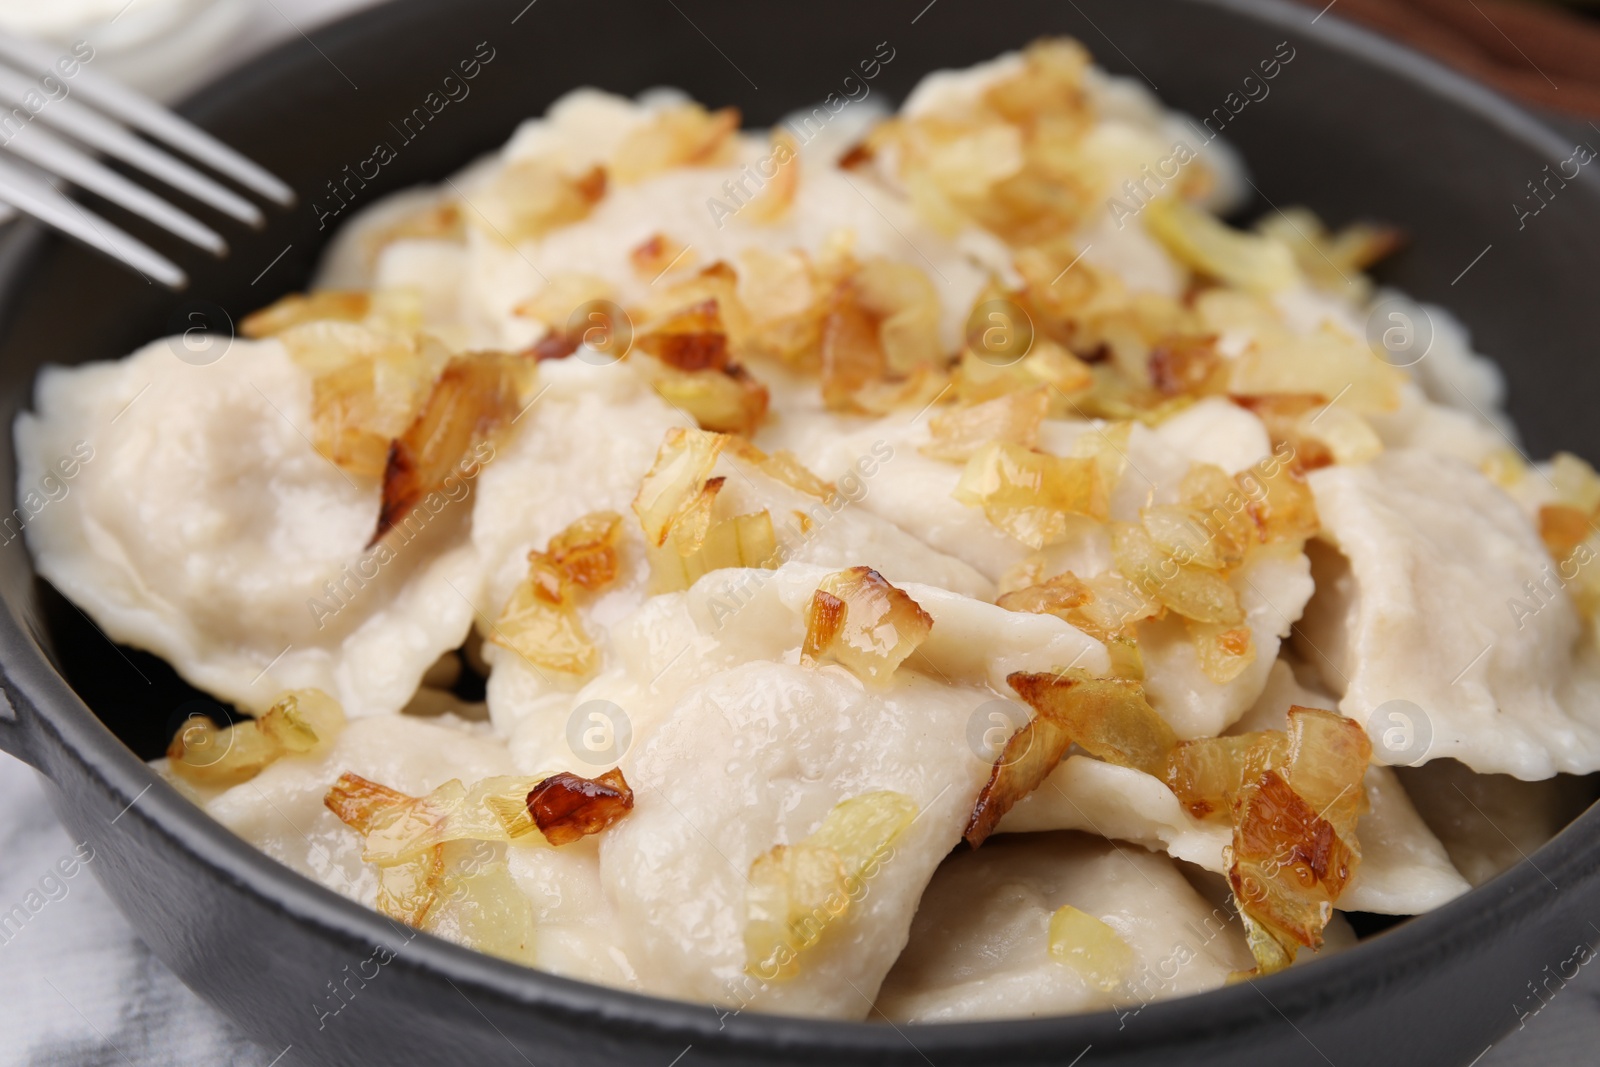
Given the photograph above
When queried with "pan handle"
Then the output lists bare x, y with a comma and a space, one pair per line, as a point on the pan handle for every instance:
13, 737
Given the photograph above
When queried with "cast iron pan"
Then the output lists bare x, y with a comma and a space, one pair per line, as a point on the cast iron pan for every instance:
1352, 127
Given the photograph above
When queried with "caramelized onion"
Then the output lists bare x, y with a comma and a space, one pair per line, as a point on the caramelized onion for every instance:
567, 808
1011, 419
1251, 262
1188, 590
367, 385
690, 339
473, 399
653, 256
1090, 947
728, 400
676, 495
1288, 865
859, 620
1031, 495
797, 891
1108, 718
296, 309
300, 722
586, 551
683, 135
1022, 766
740, 541
527, 198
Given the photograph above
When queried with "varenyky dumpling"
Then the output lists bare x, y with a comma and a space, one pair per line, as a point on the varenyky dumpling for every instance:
208, 529
1420, 605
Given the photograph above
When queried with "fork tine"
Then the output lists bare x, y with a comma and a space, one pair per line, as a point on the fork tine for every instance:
145, 114
99, 132
34, 197
45, 150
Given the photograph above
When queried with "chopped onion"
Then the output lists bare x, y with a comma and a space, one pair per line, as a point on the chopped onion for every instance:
540, 620
1188, 366
542, 626
301, 722
296, 309
1577, 484
1563, 528
684, 135
1282, 505
1209, 773
1287, 867
784, 299
675, 497
1090, 947
1108, 718
1012, 419
859, 620
527, 198
367, 385
905, 306
1328, 757
1032, 495
656, 254
1332, 261
740, 541
586, 551
774, 199
730, 400
1185, 534
399, 828
786, 467
1328, 362
1255, 263
689, 339
205, 754
852, 356
1106, 607
475, 397
1046, 364
797, 891
567, 807
1022, 766
1223, 651
1186, 589
409, 890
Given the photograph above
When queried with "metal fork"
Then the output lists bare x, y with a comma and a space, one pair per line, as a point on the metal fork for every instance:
98, 114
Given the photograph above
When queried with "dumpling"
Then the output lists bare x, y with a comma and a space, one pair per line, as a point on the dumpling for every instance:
205, 528
789, 743
1427, 601
280, 810
980, 945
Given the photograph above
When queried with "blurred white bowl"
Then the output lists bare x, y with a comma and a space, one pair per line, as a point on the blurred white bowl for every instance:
162, 47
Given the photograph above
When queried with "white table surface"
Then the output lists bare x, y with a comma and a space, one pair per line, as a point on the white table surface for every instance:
78, 988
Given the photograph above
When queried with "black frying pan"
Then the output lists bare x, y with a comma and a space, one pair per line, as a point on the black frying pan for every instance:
1353, 127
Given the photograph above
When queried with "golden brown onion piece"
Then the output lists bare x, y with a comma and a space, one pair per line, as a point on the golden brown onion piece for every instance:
540, 620
299, 308
407, 890
567, 808
475, 396
301, 722
858, 619
677, 492
797, 891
